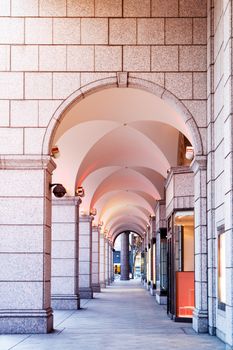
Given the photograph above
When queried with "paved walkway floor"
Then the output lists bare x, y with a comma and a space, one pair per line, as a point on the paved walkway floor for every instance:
124, 316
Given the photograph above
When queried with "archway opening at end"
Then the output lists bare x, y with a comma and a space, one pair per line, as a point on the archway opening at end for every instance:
133, 252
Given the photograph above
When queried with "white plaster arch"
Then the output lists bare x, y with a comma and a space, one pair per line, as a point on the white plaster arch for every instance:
135, 83
119, 230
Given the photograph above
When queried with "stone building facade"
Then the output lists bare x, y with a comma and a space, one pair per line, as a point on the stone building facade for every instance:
57, 55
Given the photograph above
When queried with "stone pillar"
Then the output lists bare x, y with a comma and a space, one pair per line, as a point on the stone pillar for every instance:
25, 248
228, 168
106, 249
65, 216
161, 266
102, 261
85, 257
125, 256
200, 315
109, 262
95, 259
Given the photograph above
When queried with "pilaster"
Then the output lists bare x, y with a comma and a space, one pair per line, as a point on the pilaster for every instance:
85, 257
200, 315
102, 261
125, 256
25, 250
65, 289
95, 259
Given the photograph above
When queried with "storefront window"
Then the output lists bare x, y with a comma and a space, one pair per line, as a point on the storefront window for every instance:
149, 266
221, 267
184, 256
163, 263
154, 264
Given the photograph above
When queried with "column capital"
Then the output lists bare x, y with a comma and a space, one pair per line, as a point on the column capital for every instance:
86, 218
69, 200
22, 162
95, 229
199, 163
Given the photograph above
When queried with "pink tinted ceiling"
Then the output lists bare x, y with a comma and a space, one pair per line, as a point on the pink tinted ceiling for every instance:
116, 230
122, 105
111, 203
73, 146
124, 219
126, 179
123, 146
126, 226
92, 182
118, 144
121, 198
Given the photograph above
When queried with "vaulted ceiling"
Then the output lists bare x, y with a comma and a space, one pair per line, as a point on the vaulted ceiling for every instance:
118, 144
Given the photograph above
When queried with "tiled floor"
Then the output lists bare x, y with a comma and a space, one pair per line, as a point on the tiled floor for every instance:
123, 316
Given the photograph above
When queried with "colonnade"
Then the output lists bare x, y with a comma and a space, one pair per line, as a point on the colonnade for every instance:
174, 247
81, 255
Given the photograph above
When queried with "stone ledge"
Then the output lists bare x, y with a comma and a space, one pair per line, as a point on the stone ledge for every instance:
86, 293
26, 322
27, 162
65, 302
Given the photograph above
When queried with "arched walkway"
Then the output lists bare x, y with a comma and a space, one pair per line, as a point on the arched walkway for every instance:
123, 317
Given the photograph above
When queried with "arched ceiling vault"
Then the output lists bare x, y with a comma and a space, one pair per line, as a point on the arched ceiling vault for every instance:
124, 179
118, 144
129, 222
122, 199
119, 231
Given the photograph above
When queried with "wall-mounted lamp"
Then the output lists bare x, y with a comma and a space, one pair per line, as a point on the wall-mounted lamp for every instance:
59, 190
93, 211
189, 154
55, 153
80, 191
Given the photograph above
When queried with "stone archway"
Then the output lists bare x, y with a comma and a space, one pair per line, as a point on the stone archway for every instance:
199, 165
122, 80
39, 318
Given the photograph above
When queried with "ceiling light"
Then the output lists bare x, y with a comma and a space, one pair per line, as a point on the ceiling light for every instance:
189, 153
59, 190
93, 211
55, 153
80, 191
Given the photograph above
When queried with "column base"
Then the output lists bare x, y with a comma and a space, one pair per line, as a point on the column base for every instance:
161, 300
200, 321
85, 293
152, 291
212, 330
26, 321
124, 278
65, 302
96, 288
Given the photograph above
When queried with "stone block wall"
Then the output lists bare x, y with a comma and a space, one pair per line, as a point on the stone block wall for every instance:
48, 49
219, 175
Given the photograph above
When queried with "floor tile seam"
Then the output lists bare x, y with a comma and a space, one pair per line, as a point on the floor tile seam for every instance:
21, 341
